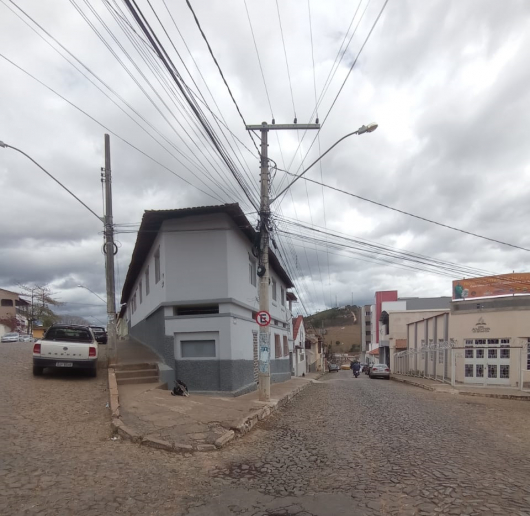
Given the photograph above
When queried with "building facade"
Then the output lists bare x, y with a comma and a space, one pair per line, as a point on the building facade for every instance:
366, 331
192, 296
13, 307
482, 340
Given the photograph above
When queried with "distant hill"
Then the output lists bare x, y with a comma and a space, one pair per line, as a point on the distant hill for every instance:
339, 327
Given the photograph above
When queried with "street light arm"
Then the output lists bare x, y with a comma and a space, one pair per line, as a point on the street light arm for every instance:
6, 146
83, 286
364, 129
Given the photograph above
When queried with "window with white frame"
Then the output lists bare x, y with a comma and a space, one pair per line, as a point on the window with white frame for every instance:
282, 296
147, 281
252, 271
140, 290
157, 265
528, 354
274, 290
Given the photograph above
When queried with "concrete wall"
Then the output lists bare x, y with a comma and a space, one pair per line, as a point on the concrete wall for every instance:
513, 324
150, 331
157, 291
205, 259
429, 303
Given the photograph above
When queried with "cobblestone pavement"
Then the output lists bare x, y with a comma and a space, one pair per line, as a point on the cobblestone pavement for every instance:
344, 446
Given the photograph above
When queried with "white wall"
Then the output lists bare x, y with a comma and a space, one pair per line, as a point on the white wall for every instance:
387, 306
157, 292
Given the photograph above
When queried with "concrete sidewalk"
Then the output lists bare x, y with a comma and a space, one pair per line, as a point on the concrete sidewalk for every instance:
154, 417
465, 390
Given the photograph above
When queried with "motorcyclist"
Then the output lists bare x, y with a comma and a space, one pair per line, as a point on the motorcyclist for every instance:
355, 367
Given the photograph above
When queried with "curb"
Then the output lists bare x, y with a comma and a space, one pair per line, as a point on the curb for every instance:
239, 429
415, 384
463, 393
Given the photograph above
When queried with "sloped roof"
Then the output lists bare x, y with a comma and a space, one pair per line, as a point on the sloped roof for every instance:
374, 352
296, 326
152, 221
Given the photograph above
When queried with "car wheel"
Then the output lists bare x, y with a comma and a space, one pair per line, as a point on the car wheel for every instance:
388, 377
37, 371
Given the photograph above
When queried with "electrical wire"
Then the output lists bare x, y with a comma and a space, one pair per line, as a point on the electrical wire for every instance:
108, 129
419, 217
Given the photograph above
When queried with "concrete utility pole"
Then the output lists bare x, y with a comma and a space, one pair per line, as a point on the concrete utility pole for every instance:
264, 386
109, 255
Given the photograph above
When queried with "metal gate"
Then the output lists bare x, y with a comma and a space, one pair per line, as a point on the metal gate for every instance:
487, 361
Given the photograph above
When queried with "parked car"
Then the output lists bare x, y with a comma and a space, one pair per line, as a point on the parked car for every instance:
66, 346
333, 368
380, 371
25, 338
11, 337
100, 334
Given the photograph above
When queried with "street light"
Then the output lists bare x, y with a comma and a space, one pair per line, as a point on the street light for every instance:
82, 286
369, 128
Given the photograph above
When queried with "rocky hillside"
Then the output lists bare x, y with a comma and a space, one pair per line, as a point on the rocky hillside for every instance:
339, 327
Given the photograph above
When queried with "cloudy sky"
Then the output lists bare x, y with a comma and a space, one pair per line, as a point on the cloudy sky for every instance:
447, 82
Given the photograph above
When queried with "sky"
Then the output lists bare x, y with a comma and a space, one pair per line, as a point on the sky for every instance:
446, 82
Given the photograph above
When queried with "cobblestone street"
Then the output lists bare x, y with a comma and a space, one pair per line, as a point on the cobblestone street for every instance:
344, 446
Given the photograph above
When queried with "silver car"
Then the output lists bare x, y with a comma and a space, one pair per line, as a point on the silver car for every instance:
25, 338
380, 371
10, 337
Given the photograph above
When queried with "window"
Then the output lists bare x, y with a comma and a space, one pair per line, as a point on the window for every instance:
282, 296
157, 265
140, 290
479, 371
285, 346
68, 334
492, 353
469, 370
469, 353
7, 302
480, 353
274, 292
368, 312
277, 346
528, 354
505, 371
492, 371
368, 323
197, 348
252, 272
368, 333
505, 352
147, 281
196, 310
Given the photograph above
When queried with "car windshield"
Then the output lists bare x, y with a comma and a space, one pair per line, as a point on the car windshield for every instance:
69, 334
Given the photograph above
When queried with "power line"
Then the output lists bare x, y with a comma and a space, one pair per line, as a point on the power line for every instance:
170, 67
447, 226
104, 92
108, 129
218, 66
259, 60
286, 60
6, 146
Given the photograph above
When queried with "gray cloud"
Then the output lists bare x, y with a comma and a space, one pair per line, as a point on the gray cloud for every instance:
446, 81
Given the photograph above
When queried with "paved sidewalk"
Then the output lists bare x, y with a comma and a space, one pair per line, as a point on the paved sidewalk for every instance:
154, 417
465, 390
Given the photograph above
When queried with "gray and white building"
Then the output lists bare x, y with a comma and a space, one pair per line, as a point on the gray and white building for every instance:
192, 294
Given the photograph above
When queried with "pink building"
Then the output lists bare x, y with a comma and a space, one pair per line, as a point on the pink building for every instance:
380, 297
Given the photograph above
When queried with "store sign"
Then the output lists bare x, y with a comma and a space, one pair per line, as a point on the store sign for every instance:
480, 327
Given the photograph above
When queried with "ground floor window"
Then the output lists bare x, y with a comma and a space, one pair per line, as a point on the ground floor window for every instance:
528, 354
277, 346
197, 348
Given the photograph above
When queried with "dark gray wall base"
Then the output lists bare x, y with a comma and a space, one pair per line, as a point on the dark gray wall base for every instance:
215, 375
280, 377
151, 332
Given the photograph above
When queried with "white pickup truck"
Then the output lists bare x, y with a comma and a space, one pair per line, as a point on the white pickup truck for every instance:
66, 346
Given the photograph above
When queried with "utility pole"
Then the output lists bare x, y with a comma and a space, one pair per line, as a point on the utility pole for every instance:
109, 255
264, 386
